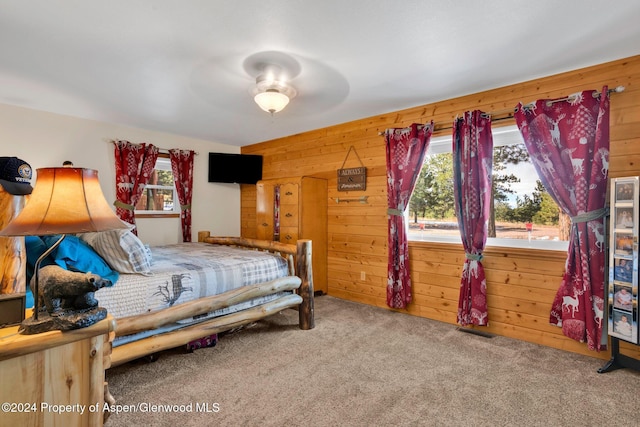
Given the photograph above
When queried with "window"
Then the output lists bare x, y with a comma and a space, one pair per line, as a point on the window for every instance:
523, 213
159, 195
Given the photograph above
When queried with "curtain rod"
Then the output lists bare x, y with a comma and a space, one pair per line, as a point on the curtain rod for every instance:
440, 126
166, 151
509, 113
572, 97
161, 150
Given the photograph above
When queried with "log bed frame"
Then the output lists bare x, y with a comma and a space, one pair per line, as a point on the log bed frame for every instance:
300, 279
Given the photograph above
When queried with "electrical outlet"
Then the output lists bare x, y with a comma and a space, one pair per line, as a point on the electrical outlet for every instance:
363, 275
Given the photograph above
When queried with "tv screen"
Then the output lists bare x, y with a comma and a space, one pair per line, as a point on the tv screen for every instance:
235, 168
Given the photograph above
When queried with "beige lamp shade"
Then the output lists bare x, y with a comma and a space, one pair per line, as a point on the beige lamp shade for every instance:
64, 201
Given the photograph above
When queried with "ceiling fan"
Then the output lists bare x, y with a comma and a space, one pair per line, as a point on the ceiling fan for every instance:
315, 86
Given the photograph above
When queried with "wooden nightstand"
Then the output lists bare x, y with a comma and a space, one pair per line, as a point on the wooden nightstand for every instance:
55, 378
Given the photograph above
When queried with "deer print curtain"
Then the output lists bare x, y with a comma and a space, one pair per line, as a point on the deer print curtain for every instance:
568, 141
134, 164
472, 166
406, 149
182, 169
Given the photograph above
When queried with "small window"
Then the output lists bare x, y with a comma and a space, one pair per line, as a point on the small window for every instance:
523, 213
159, 195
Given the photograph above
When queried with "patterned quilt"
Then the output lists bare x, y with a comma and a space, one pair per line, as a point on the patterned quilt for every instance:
188, 271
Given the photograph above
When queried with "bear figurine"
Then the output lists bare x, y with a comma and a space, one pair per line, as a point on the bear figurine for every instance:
61, 290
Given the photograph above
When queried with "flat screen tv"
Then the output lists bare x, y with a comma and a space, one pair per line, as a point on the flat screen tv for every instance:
235, 168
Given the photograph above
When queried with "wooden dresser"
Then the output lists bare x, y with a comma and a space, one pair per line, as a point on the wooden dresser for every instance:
302, 214
55, 378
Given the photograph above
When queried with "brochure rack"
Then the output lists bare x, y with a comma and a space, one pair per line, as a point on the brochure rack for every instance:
622, 289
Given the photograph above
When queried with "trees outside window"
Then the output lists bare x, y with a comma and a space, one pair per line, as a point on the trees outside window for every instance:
521, 207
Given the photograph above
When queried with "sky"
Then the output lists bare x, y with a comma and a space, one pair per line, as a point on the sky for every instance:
528, 177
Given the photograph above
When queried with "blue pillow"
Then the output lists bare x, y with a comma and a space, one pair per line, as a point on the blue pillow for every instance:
34, 247
28, 303
75, 255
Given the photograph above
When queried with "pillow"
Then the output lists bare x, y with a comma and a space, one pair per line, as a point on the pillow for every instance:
72, 254
122, 249
147, 249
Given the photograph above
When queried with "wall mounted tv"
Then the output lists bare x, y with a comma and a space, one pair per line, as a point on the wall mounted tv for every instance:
235, 168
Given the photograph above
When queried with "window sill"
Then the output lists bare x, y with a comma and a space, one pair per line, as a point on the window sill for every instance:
514, 246
158, 215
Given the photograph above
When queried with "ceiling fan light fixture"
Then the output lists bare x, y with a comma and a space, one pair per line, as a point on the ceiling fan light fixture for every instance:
272, 94
271, 100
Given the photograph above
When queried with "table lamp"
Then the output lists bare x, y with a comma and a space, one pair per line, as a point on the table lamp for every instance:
65, 200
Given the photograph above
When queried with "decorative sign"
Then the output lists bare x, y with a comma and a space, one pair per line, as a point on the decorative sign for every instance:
352, 179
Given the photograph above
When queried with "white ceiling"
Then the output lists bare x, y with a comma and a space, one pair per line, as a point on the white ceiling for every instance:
185, 67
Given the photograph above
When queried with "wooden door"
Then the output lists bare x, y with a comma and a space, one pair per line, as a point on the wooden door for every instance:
264, 210
313, 226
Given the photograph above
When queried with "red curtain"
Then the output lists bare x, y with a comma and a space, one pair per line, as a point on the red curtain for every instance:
134, 164
568, 141
182, 168
406, 149
472, 166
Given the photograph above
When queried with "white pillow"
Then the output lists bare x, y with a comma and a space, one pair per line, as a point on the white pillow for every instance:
121, 249
147, 249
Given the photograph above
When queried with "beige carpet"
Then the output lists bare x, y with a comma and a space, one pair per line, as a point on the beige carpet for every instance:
366, 366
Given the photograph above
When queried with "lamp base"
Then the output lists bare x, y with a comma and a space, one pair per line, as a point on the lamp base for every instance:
65, 321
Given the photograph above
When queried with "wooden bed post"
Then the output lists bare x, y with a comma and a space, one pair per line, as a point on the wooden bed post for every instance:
305, 272
13, 254
304, 268
202, 235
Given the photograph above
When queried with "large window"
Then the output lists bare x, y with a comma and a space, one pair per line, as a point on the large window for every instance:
523, 213
159, 195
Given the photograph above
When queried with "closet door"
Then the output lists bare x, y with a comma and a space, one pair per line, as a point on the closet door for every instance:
265, 218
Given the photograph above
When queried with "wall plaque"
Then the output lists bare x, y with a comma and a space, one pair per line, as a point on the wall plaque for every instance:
352, 179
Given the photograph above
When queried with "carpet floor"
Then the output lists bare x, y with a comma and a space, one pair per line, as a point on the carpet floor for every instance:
367, 366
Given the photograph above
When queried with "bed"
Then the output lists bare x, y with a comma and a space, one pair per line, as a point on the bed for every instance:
167, 296
182, 322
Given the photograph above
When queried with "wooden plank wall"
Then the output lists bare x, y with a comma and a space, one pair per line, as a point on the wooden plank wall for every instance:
521, 283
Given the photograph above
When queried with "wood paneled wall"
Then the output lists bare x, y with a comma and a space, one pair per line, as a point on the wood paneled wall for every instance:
521, 283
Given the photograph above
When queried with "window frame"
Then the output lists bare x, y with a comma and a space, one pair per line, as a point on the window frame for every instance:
506, 134
165, 162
